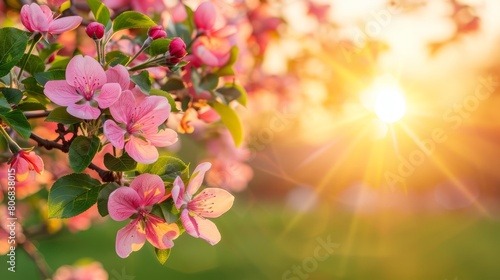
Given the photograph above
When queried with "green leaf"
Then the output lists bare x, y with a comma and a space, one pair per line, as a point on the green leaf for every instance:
173, 84
123, 163
100, 11
209, 82
13, 43
30, 84
167, 167
82, 152
171, 100
13, 95
167, 211
44, 77
72, 195
60, 115
142, 81
34, 64
232, 92
162, 255
227, 70
231, 121
47, 52
60, 63
4, 105
33, 101
103, 197
18, 122
131, 19
159, 46
117, 57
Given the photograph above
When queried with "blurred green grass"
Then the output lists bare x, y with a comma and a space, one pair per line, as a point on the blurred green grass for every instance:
262, 241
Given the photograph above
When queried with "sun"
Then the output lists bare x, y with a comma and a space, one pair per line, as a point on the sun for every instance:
390, 105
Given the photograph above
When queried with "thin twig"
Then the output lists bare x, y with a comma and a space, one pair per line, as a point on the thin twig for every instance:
35, 255
34, 115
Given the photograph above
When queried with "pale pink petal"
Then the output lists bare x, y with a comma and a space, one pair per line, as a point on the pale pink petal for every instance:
204, 16
149, 187
211, 203
38, 19
200, 228
123, 108
159, 233
64, 24
197, 178
25, 17
85, 73
47, 11
61, 93
114, 133
109, 94
206, 57
129, 239
35, 161
178, 193
163, 138
119, 74
140, 150
22, 168
153, 111
84, 111
123, 203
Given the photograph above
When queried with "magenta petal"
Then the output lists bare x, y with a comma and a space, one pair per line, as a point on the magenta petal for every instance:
189, 223
85, 73
64, 24
159, 233
149, 187
163, 138
123, 203
212, 202
114, 133
197, 178
61, 93
140, 150
109, 94
123, 108
129, 239
178, 193
84, 111
119, 74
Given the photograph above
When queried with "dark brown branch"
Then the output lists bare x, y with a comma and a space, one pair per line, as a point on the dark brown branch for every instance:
106, 176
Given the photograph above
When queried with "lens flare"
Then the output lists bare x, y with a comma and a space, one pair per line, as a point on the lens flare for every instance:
390, 105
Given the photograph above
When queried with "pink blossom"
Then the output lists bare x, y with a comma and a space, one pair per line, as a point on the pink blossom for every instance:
212, 51
91, 271
176, 50
210, 203
138, 199
204, 16
95, 30
143, 6
86, 88
157, 32
178, 12
38, 18
24, 162
138, 119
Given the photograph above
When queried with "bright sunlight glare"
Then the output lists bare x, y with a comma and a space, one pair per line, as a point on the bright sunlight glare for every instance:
390, 105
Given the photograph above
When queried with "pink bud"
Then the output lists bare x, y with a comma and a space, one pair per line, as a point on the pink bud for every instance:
95, 30
157, 32
177, 50
204, 16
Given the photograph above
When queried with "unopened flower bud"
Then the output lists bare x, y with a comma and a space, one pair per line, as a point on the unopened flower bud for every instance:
177, 49
95, 30
157, 32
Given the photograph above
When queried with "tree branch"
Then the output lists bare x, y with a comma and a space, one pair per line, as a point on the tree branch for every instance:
35, 255
34, 115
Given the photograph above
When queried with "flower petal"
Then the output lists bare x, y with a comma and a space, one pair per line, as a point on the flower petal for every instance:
200, 228
129, 239
159, 233
118, 74
109, 94
124, 107
64, 24
197, 178
123, 203
212, 202
85, 73
140, 150
114, 133
163, 138
61, 93
38, 19
178, 193
152, 112
84, 111
149, 187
